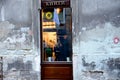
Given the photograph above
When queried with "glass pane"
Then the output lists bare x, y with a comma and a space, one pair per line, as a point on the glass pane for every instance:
56, 34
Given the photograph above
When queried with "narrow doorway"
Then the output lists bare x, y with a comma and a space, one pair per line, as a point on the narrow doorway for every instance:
56, 43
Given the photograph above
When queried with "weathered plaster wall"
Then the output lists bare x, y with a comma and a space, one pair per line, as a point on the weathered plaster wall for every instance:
96, 35
19, 49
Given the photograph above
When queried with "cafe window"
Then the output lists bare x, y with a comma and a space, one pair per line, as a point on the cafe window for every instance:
56, 34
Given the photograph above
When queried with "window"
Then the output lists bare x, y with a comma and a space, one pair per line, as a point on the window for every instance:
56, 34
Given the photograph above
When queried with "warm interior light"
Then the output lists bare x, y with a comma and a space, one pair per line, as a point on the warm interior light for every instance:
48, 25
50, 38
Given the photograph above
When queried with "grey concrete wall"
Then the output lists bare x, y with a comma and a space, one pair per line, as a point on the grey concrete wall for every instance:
96, 31
19, 31
96, 35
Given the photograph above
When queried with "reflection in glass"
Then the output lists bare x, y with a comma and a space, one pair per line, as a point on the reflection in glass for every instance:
56, 35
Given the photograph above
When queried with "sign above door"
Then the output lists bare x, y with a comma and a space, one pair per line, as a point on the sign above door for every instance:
55, 3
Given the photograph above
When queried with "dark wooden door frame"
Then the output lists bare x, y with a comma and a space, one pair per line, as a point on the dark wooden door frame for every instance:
54, 67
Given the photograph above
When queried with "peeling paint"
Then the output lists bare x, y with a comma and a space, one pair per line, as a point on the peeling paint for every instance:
17, 47
95, 53
19, 67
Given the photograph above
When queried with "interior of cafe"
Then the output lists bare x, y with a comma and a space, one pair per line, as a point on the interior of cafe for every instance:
56, 34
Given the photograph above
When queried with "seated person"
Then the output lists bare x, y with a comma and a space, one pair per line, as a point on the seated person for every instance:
64, 48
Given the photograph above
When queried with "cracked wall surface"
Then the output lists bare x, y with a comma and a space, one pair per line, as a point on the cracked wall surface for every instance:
96, 39
19, 49
96, 46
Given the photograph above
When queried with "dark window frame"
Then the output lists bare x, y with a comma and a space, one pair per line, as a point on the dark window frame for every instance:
41, 36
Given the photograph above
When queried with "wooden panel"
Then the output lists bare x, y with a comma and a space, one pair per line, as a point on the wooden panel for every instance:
57, 72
